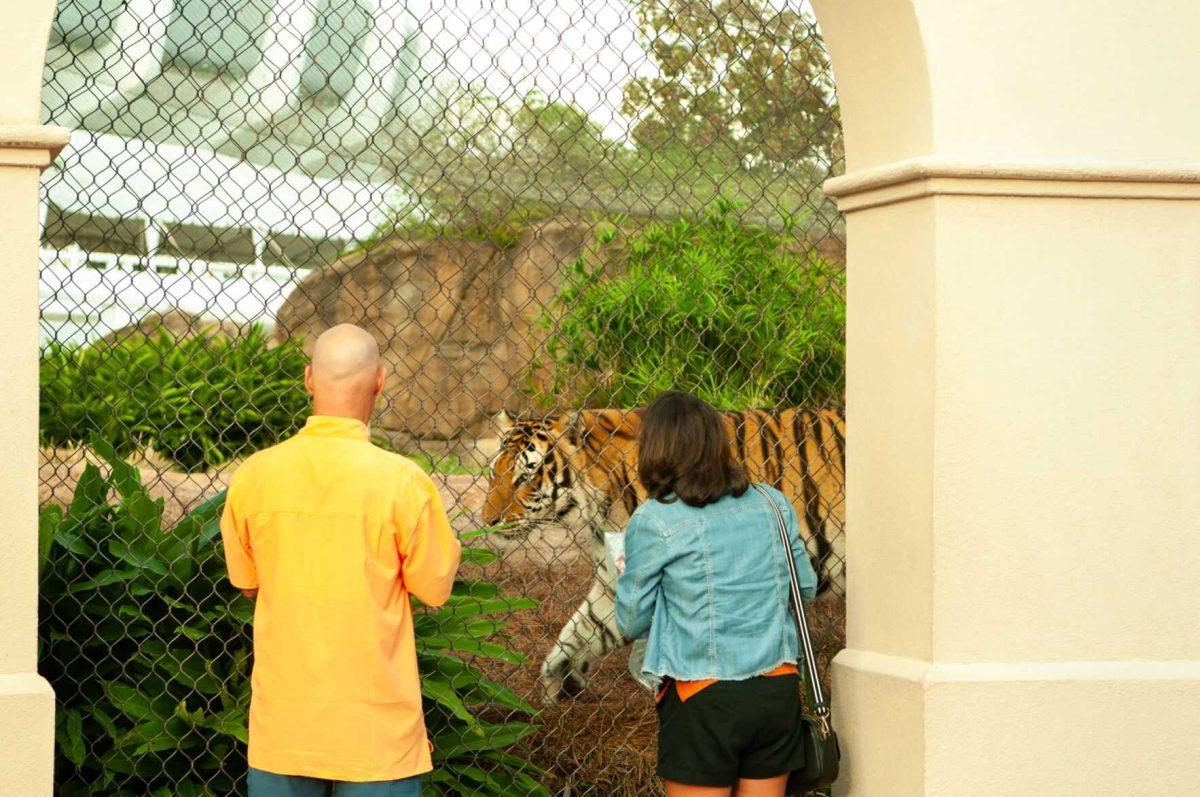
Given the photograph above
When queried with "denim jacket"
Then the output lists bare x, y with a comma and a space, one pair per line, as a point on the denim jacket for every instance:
710, 587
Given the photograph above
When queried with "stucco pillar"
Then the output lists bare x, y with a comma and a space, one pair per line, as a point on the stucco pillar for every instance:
26, 701
1022, 203
275, 81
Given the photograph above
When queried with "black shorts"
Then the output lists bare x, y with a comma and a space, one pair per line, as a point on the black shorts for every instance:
731, 730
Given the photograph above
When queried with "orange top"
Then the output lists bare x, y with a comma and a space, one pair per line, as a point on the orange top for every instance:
687, 689
336, 534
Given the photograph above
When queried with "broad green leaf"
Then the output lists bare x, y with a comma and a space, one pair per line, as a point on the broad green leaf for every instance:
120, 760
125, 477
103, 579
186, 667
492, 737
129, 700
475, 589
513, 762
231, 722
70, 736
242, 609
139, 552
463, 644
443, 694
49, 519
458, 607
478, 556
90, 492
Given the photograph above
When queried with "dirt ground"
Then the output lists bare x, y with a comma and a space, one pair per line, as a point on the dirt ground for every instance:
601, 743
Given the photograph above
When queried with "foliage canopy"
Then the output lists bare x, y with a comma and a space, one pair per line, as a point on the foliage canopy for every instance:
707, 304
200, 402
743, 80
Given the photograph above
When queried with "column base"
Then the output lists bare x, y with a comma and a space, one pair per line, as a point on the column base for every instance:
26, 735
910, 727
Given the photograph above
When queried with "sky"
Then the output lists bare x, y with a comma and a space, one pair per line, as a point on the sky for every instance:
583, 51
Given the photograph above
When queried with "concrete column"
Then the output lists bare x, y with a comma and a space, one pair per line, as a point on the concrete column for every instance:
383, 55
141, 35
274, 82
1023, 216
26, 701
121, 68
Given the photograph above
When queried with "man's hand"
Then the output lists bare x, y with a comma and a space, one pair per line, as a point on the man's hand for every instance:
251, 593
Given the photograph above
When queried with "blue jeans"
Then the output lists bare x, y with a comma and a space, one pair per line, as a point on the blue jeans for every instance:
268, 784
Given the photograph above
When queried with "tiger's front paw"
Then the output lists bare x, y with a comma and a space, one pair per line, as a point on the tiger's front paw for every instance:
561, 679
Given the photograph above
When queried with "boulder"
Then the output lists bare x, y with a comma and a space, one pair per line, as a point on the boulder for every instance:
177, 323
456, 320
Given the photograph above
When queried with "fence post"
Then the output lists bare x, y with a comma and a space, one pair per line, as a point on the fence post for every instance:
26, 700
1023, 216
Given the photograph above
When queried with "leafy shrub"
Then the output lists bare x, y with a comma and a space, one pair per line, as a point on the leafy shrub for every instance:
448, 463
707, 304
149, 652
199, 402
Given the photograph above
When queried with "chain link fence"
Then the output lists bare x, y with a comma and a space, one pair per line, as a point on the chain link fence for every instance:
545, 212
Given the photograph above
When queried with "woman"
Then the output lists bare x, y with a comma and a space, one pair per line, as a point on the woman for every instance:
707, 581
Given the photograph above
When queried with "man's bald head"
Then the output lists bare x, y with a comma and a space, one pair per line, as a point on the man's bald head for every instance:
345, 353
345, 373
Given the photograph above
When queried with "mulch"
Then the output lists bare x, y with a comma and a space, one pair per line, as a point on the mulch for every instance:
602, 743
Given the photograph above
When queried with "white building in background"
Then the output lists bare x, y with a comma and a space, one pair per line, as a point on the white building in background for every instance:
222, 148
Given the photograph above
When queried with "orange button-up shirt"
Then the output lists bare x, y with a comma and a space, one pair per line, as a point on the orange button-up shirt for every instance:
336, 534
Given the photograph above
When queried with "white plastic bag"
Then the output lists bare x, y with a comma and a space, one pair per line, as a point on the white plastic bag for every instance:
614, 554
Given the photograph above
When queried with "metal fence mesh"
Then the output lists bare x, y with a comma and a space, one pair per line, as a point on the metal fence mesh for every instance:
546, 212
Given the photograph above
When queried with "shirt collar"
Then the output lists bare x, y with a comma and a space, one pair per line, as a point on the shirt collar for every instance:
334, 426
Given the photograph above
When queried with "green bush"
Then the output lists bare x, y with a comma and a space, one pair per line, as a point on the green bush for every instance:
199, 402
727, 310
148, 649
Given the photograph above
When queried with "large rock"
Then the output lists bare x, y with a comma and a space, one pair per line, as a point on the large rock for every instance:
456, 320
179, 324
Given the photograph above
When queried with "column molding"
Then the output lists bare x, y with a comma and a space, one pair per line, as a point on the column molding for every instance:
26, 698
917, 178
31, 145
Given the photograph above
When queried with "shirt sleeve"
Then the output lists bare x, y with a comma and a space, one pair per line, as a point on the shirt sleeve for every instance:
235, 536
429, 550
639, 587
804, 568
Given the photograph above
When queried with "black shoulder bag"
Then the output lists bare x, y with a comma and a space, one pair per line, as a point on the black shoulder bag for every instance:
822, 754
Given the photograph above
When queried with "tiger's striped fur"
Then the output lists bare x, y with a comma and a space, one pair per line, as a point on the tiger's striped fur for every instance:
580, 469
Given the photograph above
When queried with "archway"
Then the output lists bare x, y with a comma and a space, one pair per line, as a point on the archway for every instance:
1001, 355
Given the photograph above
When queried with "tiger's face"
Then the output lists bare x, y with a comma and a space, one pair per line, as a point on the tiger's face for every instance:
531, 481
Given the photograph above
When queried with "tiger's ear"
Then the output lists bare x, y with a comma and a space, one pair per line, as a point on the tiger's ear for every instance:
502, 421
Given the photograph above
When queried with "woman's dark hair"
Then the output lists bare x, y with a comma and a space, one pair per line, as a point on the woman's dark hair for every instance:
683, 448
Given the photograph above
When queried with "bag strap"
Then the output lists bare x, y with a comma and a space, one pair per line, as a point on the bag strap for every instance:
820, 705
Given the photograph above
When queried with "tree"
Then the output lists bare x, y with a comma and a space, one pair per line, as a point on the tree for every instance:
741, 107
737, 79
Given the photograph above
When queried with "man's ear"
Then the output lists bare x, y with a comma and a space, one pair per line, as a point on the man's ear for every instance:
308, 378
380, 378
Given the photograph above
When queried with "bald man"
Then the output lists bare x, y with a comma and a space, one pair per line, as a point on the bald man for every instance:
331, 535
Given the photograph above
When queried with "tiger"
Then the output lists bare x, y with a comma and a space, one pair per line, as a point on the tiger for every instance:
580, 469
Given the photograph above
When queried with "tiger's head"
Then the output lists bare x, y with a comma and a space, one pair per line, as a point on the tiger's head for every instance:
532, 481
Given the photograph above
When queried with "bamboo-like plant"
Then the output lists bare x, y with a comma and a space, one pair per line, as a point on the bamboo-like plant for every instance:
741, 316
199, 402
